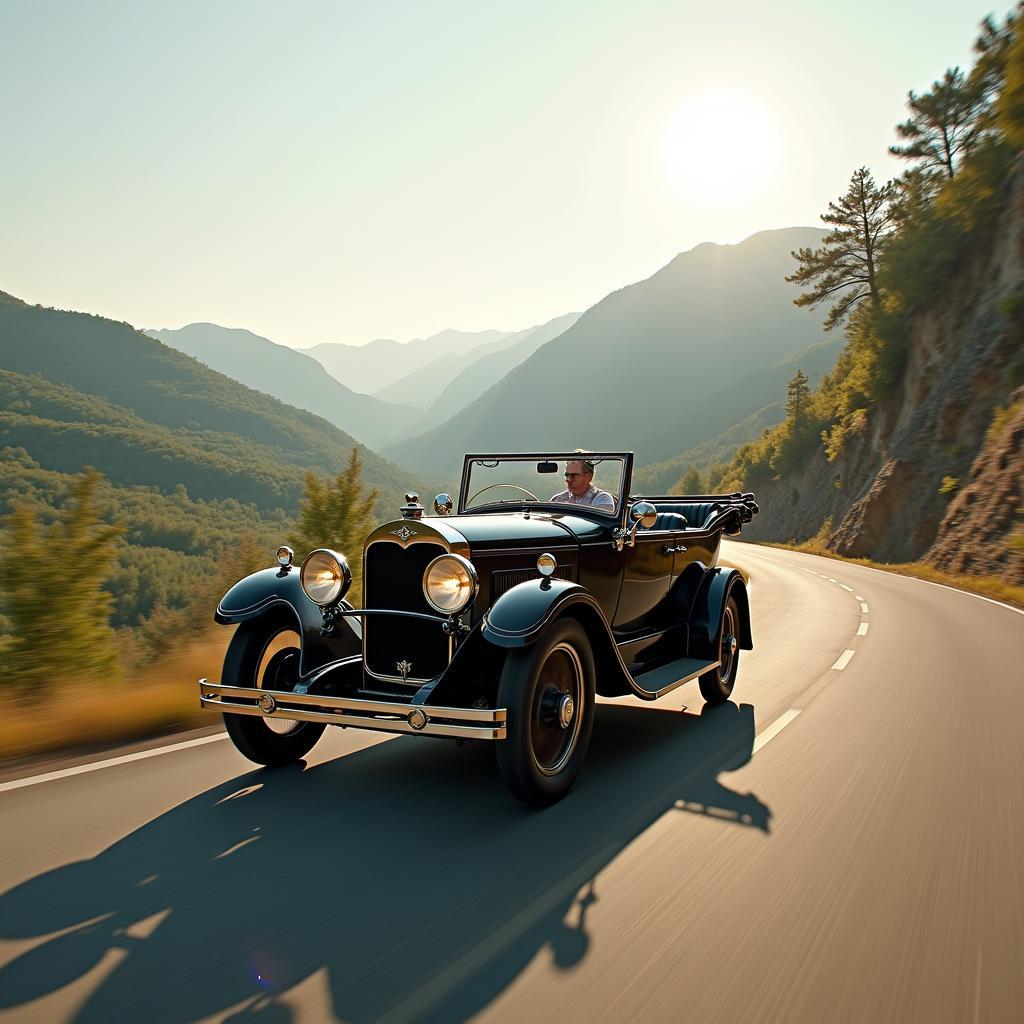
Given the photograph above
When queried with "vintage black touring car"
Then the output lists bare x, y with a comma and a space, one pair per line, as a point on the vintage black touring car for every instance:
499, 622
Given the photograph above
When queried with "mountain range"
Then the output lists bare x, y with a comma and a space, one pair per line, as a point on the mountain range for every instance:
84, 390
656, 367
292, 377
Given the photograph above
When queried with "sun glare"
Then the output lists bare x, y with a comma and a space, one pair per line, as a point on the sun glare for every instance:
722, 147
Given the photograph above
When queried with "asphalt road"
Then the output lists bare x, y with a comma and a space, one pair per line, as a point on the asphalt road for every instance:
862, 859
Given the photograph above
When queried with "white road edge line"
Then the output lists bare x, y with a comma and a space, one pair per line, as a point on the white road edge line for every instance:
904, 576
843, 660
775, 728
845, 587
95, 766
863, 630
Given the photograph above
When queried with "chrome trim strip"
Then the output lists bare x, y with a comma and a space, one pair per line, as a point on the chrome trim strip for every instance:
459, 723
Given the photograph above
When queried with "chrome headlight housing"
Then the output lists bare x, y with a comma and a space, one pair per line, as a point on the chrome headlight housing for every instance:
325, 576
450, 584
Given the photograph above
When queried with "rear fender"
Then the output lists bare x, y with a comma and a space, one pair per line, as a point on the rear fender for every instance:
706, 614
522, 615
278, 592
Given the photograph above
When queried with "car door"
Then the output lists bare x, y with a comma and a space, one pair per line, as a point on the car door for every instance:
646, 578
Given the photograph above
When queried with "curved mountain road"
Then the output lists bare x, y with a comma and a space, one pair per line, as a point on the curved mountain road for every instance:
844, 841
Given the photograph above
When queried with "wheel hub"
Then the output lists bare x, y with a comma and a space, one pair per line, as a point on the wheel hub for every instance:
566, 708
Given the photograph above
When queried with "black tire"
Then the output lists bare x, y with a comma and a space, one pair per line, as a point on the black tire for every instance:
547, 739
265, 654
716, 685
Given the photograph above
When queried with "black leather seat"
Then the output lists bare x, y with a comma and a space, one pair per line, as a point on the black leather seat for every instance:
670, 521
696, 514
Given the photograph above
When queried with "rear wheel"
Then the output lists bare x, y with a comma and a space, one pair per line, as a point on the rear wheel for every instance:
265, 654
548, 690
716, 685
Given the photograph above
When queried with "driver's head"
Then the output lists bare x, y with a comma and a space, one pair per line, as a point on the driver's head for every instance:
579, 474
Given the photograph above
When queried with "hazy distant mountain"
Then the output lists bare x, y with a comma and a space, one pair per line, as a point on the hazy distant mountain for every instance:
460, 379
482, 374
655, 367
79, 390
369, 368
293, 377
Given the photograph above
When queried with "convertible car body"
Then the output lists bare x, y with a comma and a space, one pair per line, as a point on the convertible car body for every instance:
497, 618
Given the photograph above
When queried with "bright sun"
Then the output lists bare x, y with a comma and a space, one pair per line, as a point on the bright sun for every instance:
722, 147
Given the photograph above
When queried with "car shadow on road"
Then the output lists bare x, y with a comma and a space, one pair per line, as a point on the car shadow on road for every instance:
403, 872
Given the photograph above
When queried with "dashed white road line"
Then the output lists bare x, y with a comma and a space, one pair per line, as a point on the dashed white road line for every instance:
843, 660
845, 587
95, 766
863, 608
775, 728
863, 630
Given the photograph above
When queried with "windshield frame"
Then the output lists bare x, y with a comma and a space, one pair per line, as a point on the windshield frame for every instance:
621, 498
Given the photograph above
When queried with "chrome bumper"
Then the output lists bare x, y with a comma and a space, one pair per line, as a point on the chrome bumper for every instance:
418, 719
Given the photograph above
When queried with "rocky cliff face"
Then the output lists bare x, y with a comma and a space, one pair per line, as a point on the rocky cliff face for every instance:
892, 494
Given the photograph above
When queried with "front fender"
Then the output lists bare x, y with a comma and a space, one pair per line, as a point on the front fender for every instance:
706, 615
279, 591
521, 614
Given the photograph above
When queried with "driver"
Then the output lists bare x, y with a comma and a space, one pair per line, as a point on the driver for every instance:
579, 479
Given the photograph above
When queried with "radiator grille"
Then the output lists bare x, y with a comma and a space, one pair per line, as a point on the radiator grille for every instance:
393, 579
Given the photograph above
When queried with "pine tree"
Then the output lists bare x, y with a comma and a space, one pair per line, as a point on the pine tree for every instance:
945, 123
336, 514
54, 599
798, 393
845, 267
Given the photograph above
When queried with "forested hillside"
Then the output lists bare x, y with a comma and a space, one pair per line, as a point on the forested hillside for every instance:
291, 376
198, 470
925, 275
186, 406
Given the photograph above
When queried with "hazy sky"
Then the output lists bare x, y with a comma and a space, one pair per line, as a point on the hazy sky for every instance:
344, 171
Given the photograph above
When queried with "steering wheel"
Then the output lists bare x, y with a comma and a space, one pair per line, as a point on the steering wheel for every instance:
490, 487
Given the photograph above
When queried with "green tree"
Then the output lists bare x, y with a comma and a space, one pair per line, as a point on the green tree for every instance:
845, 267
945, 123
798, 394
336, 514
55, 604
691, 482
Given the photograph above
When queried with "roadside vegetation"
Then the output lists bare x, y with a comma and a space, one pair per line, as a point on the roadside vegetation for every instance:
103, 636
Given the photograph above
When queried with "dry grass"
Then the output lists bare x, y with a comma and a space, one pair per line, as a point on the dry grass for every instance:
986, 586
156, 699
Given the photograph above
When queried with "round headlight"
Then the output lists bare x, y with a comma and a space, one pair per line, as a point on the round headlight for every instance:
325, 576
285, 555
546, 564
450, 584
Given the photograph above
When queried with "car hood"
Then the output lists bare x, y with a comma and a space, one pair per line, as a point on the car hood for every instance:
515, 530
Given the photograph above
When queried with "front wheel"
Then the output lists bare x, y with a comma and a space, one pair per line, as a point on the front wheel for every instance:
716, 685
548, 690
265, 654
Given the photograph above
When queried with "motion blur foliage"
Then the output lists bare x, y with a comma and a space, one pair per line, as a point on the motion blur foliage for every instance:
53, 598
337, 514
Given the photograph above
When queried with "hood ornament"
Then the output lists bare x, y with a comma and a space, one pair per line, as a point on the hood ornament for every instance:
403, 533
404, 668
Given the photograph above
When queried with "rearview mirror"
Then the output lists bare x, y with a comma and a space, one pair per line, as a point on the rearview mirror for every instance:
547, 467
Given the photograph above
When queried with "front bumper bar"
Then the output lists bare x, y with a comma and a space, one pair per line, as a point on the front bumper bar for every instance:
382, 716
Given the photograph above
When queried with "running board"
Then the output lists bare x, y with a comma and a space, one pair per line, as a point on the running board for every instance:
659, 681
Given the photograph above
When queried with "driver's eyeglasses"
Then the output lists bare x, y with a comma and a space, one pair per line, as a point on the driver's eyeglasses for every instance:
569, 476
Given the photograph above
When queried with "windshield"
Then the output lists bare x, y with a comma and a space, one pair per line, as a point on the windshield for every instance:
585, 481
